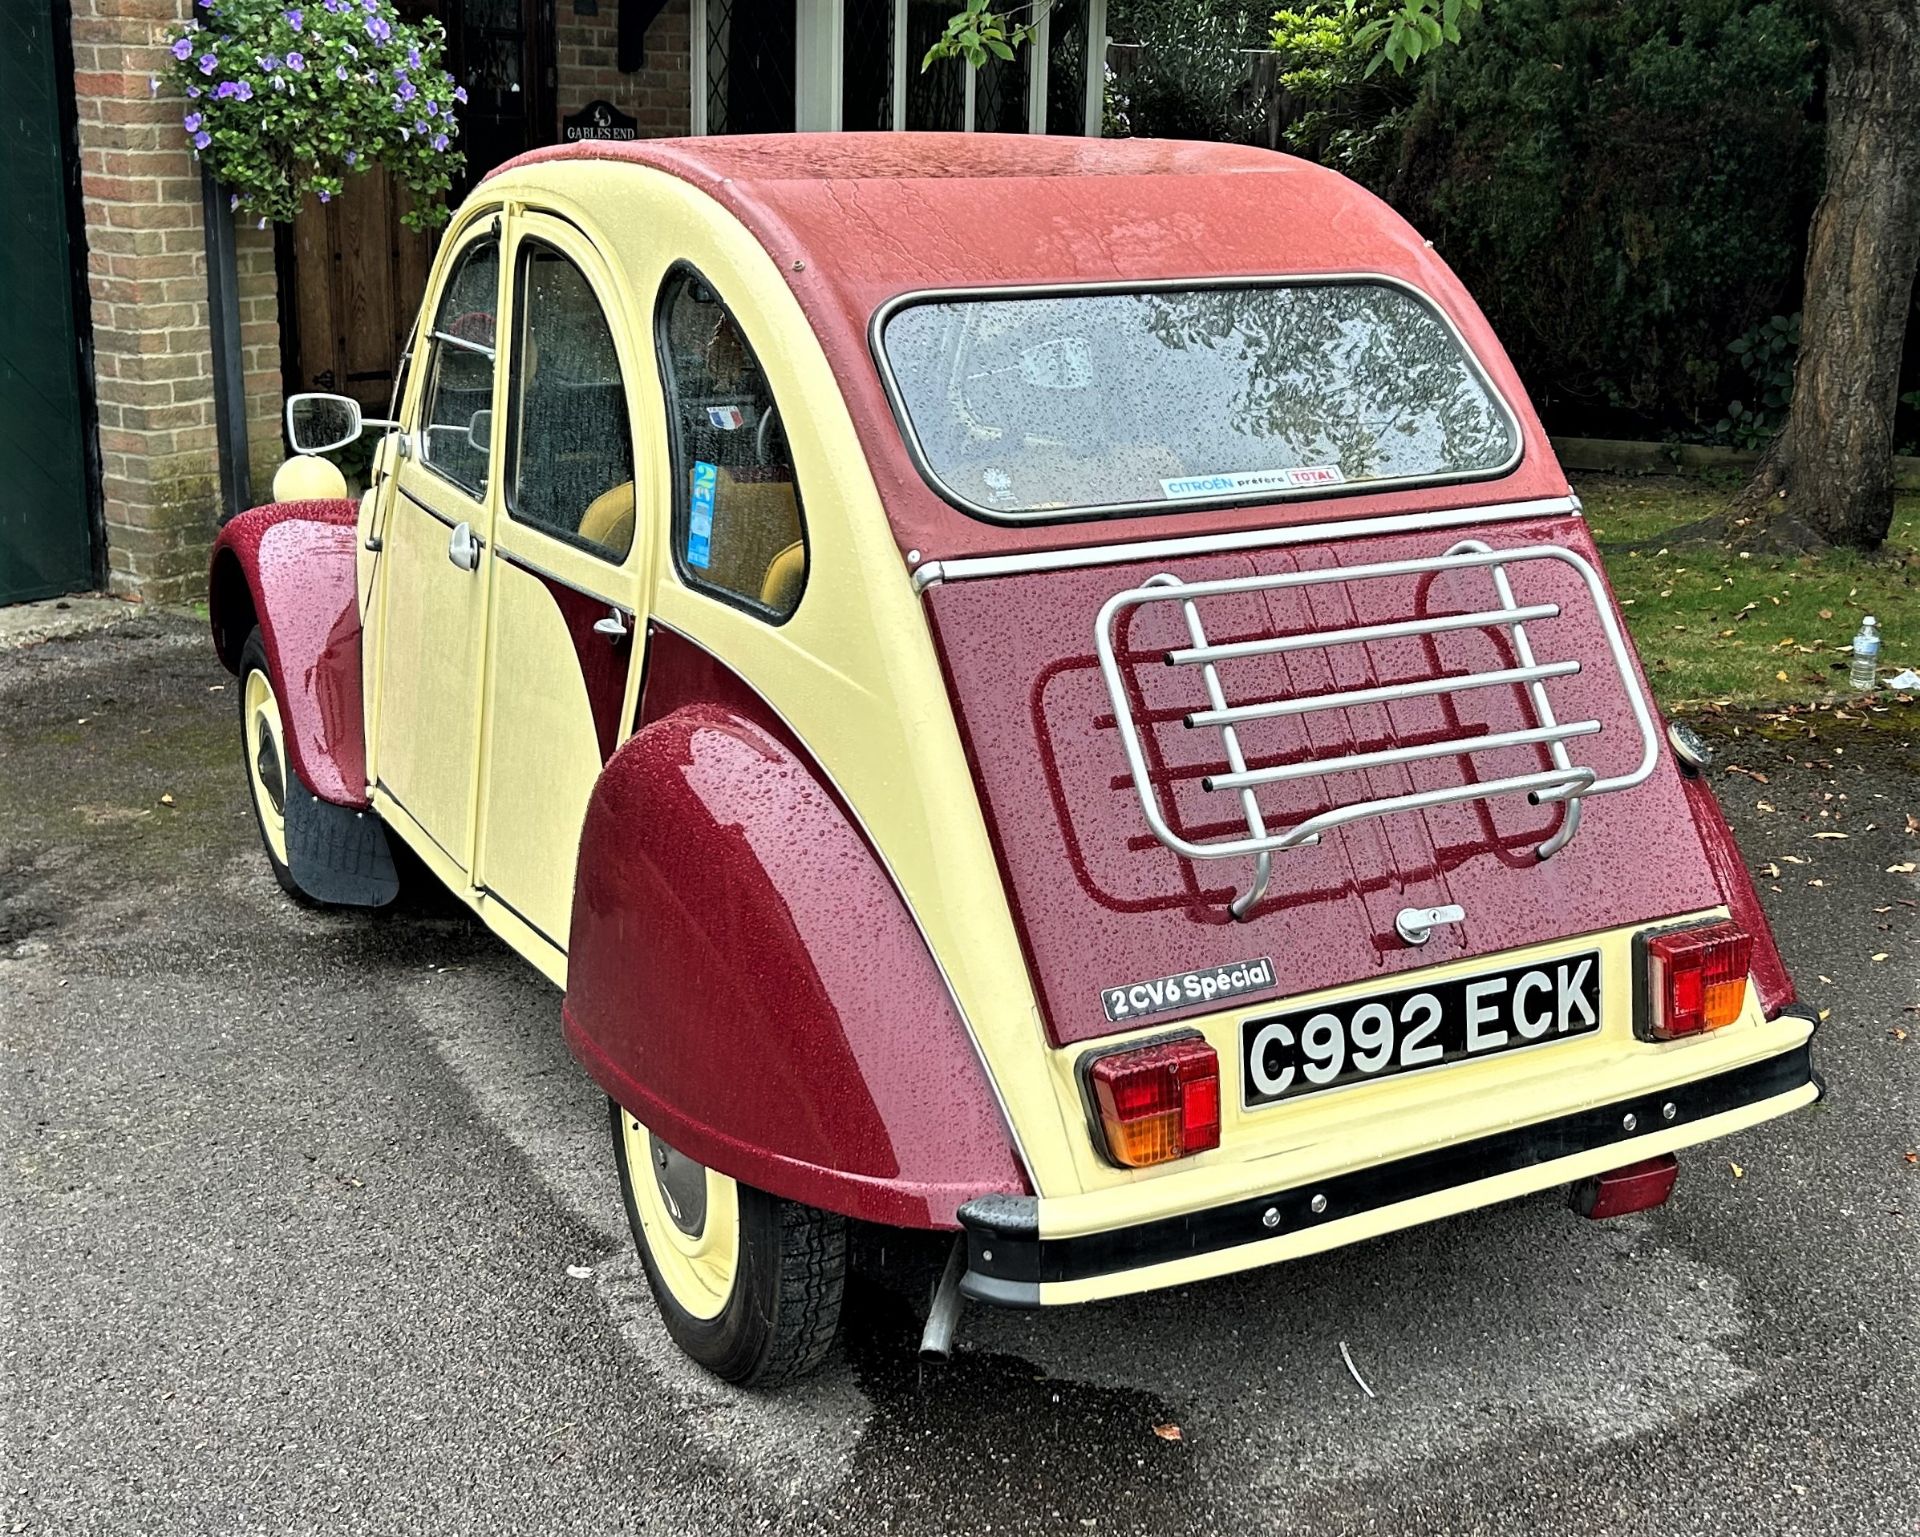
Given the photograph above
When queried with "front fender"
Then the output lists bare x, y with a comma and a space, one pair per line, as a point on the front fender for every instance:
289, 567
745, 979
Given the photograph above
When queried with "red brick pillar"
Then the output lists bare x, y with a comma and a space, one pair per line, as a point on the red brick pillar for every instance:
147, 274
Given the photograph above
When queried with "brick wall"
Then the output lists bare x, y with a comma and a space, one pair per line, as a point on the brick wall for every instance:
657, 95
147, 275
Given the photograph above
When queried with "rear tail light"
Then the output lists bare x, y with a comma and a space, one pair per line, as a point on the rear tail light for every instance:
1696, 979
1637, 1187
1157, 1102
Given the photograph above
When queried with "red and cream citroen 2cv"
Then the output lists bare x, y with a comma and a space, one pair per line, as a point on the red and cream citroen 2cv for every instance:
1040, 690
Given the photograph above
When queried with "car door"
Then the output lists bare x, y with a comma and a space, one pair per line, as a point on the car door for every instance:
424, 727
567, 618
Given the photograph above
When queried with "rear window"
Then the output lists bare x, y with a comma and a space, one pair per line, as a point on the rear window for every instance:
1088, 403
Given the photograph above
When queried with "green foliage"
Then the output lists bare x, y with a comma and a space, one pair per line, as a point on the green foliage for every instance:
979, 32
283, 99
1623, 186
1408, 30
1766, 354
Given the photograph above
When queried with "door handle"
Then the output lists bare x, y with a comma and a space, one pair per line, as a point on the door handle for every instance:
463, 549
614, 626
1416, 924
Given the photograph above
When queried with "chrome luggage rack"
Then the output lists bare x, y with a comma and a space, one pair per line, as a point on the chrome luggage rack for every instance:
1566, 782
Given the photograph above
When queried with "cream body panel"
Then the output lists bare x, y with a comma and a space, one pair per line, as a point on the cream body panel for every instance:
542, 756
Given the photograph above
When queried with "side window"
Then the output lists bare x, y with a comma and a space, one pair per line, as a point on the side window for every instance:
571, 454
737, 527
457, 414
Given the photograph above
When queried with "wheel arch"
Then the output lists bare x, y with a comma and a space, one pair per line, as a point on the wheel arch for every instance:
289, 567
745, 978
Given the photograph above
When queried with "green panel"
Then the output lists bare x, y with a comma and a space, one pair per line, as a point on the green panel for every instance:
45, 518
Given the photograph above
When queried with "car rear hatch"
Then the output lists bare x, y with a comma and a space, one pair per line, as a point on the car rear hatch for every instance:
1453, 712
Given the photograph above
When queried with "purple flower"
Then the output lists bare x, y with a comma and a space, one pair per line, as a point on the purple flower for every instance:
208, 63
296, 61
193, 90
268, 62
460, 94
421, 128
413, 58
234, 90
351, 156
233, 202
192, 121
433, 109
182, 46
407, 90
378, 30
340, 72
295, 19
440, 141
325, 196
202, 139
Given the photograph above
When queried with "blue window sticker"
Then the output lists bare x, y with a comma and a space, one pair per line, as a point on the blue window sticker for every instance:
706, 480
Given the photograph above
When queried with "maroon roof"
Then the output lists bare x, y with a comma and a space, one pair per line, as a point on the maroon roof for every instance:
854, 219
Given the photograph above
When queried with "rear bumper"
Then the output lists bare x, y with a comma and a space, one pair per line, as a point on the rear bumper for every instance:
1012, 1262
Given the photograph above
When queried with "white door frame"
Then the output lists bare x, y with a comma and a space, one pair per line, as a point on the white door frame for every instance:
819, 52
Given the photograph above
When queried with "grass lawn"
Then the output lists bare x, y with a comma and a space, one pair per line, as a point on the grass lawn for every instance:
1754, 630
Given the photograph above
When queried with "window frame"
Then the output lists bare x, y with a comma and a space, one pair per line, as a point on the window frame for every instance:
680, 509
876, 346
511, 446
480, 232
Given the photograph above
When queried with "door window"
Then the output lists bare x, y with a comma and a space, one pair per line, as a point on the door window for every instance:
571, 451
738, 531
457, 417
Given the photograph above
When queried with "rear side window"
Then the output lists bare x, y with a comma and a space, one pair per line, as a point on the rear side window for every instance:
457, 421
738, 531
571, 450
1077, 404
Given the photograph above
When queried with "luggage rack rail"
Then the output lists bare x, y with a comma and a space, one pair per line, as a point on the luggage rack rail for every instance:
1565, 783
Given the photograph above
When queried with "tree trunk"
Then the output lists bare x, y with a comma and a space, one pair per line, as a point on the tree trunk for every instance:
1829, 476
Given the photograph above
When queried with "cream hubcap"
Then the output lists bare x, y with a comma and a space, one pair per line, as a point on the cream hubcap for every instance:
691, 1218
267, 760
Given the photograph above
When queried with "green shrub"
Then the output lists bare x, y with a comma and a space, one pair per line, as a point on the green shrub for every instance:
1625, 187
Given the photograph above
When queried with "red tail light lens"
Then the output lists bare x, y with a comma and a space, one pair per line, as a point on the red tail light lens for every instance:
1696, 979
1158, 1102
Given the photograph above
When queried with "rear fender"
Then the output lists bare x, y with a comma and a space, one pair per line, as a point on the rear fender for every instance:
289, 567
1771, 981
745, 979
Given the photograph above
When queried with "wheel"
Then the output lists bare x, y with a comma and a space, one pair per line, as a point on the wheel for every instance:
749, 1285
263, 745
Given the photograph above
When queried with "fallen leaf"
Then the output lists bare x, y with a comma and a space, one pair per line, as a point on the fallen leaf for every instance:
1911, 1157
166, 800
1757, 778
1826, 613
1770, 870
1878, 955
1902, 869
1829, 835
1793, 859
1823, 1014
1763, 806
1168, 1432
1780, 677
1738, 1172
1897, 1033
580, 1272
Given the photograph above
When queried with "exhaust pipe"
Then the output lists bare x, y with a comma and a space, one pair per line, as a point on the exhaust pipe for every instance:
936, 1340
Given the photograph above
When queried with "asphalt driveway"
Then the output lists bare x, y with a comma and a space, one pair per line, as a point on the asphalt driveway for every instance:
293, 1204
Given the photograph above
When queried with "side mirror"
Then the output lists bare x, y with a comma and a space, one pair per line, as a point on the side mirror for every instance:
480, 432
318, 424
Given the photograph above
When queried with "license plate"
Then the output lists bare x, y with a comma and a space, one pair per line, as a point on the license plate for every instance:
1302, 1052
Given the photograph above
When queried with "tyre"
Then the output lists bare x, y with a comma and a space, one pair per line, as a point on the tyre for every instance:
263, 746
748, 1285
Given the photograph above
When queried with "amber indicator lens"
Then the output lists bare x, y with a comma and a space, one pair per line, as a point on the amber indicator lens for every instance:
1158, 1102
1697, 978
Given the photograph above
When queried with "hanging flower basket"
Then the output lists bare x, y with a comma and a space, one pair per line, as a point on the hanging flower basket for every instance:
285, 100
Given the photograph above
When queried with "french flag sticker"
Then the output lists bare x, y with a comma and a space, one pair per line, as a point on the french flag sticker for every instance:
726, 418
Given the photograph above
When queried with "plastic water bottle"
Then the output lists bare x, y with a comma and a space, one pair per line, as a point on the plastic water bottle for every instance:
1866, 654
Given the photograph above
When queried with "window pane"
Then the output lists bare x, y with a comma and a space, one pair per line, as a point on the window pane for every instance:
737, 523
750, 59
572, 452
936, 97
866, 65
1095, 400
458, 416
1067, 67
